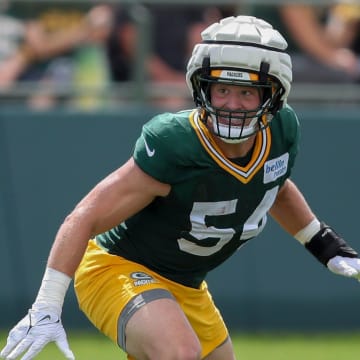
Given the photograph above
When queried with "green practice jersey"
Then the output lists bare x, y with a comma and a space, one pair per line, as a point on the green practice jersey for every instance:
215, 204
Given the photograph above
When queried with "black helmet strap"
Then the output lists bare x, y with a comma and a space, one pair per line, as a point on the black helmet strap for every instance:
264, 71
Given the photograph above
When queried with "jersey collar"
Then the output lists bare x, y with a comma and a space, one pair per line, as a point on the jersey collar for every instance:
242, 173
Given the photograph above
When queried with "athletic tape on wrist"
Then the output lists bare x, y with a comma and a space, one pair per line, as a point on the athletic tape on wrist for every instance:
307, 233
53, 288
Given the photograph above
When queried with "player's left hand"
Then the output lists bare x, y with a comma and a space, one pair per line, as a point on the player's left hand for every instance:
345, 266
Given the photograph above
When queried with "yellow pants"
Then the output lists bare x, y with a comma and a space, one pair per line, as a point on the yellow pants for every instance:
105, 284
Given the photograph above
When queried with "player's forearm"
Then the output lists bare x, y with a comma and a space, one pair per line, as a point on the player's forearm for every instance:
69, 245
292, 212
290, 209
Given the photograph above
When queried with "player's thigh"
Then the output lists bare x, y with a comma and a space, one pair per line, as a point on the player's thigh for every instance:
111, 289
203, 315
160, 330
223, 352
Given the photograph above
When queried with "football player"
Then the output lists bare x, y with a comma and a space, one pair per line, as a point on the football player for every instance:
199, 185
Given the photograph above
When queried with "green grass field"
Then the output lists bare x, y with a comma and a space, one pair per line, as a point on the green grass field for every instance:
248, 347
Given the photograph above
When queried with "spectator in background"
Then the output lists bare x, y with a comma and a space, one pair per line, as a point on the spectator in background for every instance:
12, 32
121, 45
174, 31
316, 57
60, 47
343, 25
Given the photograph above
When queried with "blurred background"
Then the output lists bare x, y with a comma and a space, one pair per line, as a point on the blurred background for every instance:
79, 78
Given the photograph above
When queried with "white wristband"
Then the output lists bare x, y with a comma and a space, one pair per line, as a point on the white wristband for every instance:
306, 234
53, 289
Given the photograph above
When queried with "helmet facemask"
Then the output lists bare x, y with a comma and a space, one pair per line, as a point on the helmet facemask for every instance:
234, 126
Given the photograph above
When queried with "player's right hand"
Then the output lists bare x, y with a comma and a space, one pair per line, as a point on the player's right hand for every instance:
33, 332
345, 266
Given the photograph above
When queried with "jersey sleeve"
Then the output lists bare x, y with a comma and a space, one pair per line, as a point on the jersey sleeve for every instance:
291, 132
158, 149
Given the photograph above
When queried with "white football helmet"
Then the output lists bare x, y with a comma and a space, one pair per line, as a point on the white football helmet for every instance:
246, 51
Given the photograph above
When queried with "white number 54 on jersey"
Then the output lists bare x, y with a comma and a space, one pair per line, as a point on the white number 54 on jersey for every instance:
200, 231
